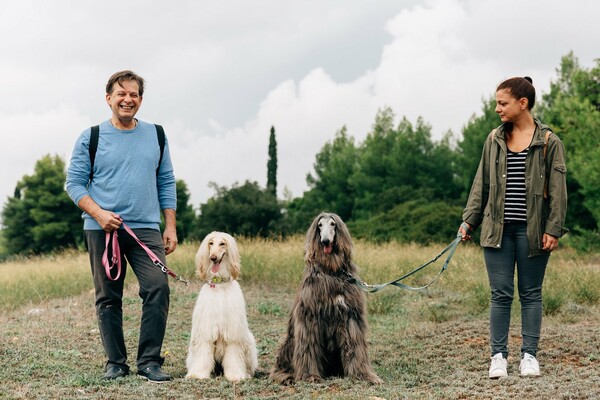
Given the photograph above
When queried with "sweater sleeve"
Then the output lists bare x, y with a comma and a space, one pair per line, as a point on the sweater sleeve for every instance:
165, 182
78, 173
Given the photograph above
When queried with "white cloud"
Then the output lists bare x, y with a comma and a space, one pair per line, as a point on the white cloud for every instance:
30, 136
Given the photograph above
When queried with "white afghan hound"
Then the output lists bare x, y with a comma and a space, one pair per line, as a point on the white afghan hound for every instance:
221, 340
327, 327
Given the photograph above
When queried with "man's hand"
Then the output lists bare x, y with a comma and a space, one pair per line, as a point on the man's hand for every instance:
108, 220
170, 240
170, 233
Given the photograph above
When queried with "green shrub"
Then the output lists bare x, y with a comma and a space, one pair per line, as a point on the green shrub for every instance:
479, 298
553, 301
387, 302
419, 221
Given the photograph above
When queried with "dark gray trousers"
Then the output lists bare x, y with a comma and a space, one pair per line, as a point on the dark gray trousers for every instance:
154, 292
500, 264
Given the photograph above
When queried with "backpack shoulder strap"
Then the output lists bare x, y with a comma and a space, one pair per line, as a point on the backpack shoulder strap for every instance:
94, 136
546, 137
160, 134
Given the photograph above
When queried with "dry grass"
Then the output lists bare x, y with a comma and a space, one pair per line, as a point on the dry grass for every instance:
425, 345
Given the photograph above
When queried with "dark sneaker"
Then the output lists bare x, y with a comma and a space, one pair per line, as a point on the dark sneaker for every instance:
114, 372
154, 374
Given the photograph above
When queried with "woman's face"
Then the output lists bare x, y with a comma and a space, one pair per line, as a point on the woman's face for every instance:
508, 107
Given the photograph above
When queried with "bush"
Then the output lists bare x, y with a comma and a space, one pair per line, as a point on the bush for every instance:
413, 221
245, 210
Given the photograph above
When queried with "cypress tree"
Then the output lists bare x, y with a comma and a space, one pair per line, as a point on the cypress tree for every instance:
272, 164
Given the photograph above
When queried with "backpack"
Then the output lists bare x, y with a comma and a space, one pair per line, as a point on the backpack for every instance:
95, 135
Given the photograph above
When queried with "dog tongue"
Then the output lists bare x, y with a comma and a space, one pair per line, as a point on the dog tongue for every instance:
215, 267
327, 249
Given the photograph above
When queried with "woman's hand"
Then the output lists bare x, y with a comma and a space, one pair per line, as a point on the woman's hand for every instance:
549, 242
465, 231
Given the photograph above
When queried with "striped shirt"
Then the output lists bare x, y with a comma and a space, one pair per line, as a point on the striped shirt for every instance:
515, 205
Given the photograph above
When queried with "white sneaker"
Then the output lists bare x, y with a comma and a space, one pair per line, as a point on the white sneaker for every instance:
498, 366
529, 366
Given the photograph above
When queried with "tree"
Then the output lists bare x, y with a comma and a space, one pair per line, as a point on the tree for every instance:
334, 166
572, 110
371, 174
329, 184
242, 210
469, 149
17, 223
186, 217
41, 217
398, 165
272, 164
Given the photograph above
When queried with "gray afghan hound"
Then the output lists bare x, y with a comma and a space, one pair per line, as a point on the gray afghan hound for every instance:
327, 326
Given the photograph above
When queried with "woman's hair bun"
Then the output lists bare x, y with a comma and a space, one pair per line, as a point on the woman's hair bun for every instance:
528, 79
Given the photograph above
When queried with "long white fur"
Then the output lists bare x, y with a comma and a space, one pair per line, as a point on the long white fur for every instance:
220, 332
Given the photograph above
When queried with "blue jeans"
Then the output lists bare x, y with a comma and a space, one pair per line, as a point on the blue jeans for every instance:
500, 264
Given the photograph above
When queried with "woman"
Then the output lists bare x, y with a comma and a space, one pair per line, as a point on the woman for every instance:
519, 197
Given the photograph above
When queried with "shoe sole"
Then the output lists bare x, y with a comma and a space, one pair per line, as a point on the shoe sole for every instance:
153, 381
114, 378
530, 375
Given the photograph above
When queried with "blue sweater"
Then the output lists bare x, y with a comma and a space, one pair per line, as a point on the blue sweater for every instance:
125, 180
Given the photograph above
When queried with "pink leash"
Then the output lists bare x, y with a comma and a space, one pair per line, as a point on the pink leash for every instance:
115, 260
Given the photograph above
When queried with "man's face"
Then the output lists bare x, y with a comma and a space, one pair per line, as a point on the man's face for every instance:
125, 100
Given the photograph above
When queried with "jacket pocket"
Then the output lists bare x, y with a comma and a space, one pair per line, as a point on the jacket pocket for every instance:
487, 232
538, 184
562, 168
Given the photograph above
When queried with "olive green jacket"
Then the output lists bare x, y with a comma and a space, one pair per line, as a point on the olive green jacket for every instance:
545, 213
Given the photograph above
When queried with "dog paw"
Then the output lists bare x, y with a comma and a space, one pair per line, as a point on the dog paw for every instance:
236, 377
374, 379
313, 379
288, 382
199, 376
282, 378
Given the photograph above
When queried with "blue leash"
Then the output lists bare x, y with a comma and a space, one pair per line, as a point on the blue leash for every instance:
450, 249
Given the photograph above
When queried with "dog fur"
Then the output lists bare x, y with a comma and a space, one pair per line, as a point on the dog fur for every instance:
327, 326
220, 338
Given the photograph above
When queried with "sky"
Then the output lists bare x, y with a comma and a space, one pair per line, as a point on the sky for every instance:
219, 74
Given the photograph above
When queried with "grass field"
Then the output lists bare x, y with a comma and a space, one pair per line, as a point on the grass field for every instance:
425, 345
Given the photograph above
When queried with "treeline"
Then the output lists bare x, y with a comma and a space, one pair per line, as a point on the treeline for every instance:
398, 184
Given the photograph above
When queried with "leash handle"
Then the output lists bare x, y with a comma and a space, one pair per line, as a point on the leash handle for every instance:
115, 260
466, 228
116, 255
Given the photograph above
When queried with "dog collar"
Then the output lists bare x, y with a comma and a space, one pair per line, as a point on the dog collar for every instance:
217, 280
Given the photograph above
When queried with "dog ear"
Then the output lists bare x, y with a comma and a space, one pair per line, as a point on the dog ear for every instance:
344, 239
233, 256
312, 240
202, 260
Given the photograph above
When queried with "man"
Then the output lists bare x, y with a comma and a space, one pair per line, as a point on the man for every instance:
129, 182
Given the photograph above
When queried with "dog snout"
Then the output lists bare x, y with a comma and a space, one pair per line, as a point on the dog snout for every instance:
213, 257
325, 242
